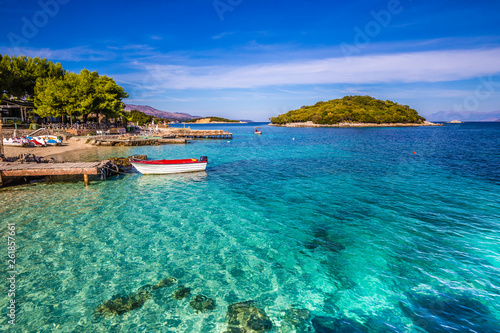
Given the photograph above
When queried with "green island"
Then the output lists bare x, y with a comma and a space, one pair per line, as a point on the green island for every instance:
352, 111
212, 120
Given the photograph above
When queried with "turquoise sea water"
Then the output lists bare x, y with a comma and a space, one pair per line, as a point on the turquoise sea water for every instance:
348, 224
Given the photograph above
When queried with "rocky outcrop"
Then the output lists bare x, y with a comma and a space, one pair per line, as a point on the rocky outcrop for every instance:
346, 124
202, 303
297, 320
120, 304
248, 318
182, 292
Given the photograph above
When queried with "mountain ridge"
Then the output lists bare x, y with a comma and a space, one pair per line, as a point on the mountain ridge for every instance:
151, 111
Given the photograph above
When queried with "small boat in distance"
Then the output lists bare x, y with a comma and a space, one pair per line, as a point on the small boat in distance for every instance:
258, 130
169, 166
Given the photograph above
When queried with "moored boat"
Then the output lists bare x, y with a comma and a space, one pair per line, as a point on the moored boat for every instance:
170, 166
51, 140
258, 130
16, 142
36, 141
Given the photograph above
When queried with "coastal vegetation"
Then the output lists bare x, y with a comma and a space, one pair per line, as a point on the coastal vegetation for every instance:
57, 92
136, 116
18, 75
212, 120
82, 94
354, 109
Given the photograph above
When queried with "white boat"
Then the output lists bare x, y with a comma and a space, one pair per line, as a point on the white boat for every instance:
16, 142
36, 141
170, 166
258, 130
51, 140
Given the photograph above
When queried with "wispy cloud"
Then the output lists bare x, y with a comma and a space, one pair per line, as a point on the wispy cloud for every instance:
140, 47
80, 53
431, 66
222, 35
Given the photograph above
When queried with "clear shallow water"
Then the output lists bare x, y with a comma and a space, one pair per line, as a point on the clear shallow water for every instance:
346, 223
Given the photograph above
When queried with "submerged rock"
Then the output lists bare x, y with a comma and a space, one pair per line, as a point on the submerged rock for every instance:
311, 245
125, 161
321, 232
324, 324
449, 312
297, 316
118, 305
344, 282
324, 239
182, 292
245, 317
202, 303
167, 282
325, 244
120, 161
297, 319
332, 246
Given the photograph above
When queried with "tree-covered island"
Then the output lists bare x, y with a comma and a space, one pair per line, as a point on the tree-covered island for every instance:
211, 119
352, 111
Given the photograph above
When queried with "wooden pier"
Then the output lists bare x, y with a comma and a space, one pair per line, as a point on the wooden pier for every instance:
50, 169
198, 134
135, 141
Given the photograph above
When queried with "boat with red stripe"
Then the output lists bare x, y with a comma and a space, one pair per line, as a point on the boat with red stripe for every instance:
170, 166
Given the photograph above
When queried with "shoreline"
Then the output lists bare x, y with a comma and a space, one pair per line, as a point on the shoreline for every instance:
216, 122
70, 145
311, 124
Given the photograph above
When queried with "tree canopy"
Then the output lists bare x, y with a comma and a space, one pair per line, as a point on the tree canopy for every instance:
83, 94
136, 116
18, 75
362, 109
56, 92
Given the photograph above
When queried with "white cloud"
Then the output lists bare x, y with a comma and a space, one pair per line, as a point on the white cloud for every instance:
429, 66
80, 53
222, 35
140, 47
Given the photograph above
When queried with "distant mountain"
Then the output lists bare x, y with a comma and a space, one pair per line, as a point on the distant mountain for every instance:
160, 114
464, 116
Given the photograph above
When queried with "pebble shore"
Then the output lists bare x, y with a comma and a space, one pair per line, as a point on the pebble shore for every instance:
347, 124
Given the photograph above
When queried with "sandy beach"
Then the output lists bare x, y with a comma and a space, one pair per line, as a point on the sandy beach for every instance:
49, 151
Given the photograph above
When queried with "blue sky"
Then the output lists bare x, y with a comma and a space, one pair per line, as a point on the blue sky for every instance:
253, 59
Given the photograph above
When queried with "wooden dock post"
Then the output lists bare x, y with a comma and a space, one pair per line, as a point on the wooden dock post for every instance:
1, 136
86, 179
